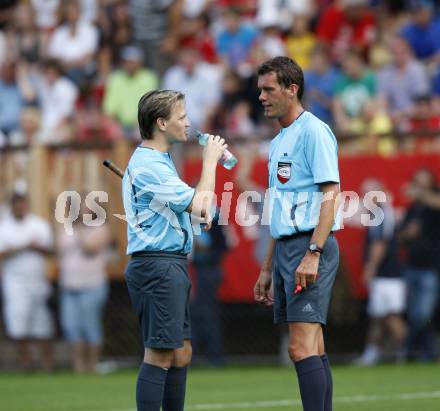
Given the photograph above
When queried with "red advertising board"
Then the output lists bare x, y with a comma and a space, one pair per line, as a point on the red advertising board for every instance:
240, 264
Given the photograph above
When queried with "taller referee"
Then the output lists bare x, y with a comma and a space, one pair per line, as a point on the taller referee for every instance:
158, 204
304, 183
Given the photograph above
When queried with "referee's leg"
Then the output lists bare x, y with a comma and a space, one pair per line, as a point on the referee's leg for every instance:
328, 404
162, 378
306, 350
159, 288
152, 377
175, 386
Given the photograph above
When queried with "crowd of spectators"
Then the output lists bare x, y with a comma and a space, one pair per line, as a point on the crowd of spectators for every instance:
372, 68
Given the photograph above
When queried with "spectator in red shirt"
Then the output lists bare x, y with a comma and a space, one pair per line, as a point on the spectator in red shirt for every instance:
196, 35
423, 122
95, 126
345, 25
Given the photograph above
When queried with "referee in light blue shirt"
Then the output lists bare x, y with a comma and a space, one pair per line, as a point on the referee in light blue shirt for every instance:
303, 255
157, 204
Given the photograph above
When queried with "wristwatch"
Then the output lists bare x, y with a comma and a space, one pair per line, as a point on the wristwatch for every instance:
313, 248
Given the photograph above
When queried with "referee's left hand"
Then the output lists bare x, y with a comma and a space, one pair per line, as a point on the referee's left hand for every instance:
307, 270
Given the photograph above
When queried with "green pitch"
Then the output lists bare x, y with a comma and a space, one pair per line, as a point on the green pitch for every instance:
383, 388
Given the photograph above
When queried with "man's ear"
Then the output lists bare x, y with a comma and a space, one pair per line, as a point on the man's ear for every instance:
292, 90
161, 124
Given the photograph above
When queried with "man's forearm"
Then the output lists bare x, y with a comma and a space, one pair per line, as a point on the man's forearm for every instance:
326, 216
267, 263
11, 252
42, 250
377, 254
204, 190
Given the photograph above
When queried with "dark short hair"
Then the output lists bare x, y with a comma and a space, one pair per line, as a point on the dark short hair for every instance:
153, 105
287, 70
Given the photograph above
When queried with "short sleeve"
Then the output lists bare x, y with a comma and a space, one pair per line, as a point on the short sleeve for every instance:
45, 235
322, 154
93, 36
54, 45
160, 183
386, 230
420, 80
410, 216
3, 236
436, 84
382, 84
376, 233
371, 83
340, 85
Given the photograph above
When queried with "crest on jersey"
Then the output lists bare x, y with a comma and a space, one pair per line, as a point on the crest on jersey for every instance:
284, 172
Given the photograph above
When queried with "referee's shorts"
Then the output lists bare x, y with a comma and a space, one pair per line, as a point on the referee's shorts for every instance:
311, 304
159, 288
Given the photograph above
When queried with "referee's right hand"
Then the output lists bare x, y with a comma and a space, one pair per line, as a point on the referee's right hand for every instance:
214, 149
263, 292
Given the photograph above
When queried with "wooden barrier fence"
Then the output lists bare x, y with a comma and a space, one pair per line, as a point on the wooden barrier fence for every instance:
48, 171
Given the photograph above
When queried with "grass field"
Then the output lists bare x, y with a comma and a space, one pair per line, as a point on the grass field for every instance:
382, 388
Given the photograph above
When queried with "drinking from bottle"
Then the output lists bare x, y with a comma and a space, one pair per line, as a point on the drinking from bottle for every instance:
227, 160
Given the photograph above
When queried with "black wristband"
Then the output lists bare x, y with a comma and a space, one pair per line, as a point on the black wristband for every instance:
313, 248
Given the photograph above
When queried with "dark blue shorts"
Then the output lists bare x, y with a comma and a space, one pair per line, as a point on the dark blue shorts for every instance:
159, 289
311, 305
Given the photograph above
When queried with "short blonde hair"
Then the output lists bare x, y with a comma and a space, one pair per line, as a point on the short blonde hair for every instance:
153, 105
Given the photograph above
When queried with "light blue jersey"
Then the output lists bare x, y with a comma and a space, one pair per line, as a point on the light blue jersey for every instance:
155, 200
301, 157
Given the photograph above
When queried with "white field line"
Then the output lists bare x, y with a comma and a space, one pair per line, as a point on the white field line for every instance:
285, 403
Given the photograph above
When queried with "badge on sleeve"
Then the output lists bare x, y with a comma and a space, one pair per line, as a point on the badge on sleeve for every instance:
284, 172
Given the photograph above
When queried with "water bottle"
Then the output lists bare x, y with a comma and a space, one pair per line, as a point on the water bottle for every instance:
227, 160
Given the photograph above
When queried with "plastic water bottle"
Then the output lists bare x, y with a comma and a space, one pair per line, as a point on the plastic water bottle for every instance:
227, 160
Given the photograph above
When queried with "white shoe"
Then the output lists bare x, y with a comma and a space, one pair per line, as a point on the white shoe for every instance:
369, 357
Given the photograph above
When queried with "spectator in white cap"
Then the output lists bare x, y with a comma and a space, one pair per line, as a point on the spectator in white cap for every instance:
25, 239
285, 10
270, 37
199, 81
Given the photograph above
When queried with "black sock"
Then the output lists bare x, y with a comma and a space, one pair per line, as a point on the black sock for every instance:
312, 383
329, 391
149, 388
174, 393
